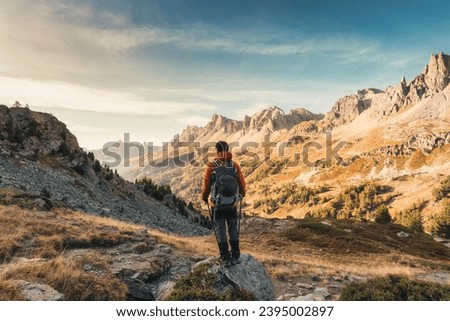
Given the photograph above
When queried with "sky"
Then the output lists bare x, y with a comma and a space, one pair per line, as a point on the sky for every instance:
151, 67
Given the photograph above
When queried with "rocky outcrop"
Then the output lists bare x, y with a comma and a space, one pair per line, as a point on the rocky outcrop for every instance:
35, 133
346, 109
426, 142
437, 72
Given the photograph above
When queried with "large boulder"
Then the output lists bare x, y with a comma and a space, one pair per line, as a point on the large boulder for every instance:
210, 280
250, 276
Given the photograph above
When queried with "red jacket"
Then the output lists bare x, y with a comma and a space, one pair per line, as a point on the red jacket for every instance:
222, 157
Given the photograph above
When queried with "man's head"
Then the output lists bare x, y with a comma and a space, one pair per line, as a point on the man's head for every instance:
222, 146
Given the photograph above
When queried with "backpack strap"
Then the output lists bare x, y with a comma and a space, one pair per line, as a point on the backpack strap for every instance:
218, 163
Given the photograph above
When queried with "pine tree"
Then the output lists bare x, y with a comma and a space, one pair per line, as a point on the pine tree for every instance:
382, 215
91, 156
97, 166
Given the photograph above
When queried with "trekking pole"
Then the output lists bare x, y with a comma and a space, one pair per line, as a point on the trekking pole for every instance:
213, 221
239, 215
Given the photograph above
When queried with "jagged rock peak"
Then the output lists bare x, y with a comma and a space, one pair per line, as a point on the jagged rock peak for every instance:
300, 111
219, 122
271, 112
437, 72
272, 118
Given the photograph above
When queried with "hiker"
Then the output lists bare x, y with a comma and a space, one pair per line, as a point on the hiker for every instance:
224, 186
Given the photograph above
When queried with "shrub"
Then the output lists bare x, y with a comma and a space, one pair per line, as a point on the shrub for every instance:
257, 204
151, 189
412, 218
97, 166
395, 288
443, 226
63, 149
443, 230
79, 169
382, 215
358, 201
91, 156
46, 193
324, 212
443, 191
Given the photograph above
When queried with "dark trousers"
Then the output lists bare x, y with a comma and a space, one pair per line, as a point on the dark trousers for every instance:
222, 224
227, 221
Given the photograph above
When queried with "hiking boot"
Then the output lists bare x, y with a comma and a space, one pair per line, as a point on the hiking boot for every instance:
224, 254
226, 262
235, 260
235, 252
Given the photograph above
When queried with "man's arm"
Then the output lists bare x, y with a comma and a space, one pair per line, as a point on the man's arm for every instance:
206, 181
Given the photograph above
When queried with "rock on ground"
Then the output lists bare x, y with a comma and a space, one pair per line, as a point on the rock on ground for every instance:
39, 292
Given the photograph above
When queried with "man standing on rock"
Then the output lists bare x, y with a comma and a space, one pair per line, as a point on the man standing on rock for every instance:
224, 185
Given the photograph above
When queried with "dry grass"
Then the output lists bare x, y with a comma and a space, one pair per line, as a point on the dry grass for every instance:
368, 267
204, 245
67, 276
417, 160
33, 246
345, 236
9, 291
46, 234
370, 250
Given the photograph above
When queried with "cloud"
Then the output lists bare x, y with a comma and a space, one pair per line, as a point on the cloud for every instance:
59, 94
73, 27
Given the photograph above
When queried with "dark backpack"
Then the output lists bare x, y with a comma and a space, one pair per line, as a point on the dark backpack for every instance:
225, 186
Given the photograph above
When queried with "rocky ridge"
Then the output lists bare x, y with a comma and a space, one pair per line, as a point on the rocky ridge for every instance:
383, 103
